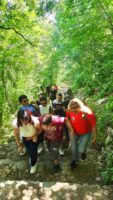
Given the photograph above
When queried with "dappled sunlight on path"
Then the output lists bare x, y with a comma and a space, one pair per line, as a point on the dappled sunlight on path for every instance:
83, 183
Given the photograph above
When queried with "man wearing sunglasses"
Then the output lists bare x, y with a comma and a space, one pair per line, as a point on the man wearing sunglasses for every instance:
23, 100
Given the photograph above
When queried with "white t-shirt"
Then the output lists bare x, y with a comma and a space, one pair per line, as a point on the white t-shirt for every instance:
27, 130
57, 102
44, 109
14, 124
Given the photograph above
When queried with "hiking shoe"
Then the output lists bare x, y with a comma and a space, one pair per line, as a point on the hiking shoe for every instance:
83, 156
40, 148
61, 152
74, 164
33, 169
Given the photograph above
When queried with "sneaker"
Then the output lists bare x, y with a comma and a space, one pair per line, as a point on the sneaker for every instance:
33, 169
74, 164
40, 148
61, 152
83, 156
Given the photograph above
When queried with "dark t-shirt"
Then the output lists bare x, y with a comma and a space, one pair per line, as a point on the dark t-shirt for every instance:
53, 94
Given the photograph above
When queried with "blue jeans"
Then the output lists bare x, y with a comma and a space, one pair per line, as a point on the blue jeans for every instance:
32, 150
79, 145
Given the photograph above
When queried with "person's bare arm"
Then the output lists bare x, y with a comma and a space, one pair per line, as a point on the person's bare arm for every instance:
94, 136
17, 136
71, 131
17, 139
38, 131
38, 128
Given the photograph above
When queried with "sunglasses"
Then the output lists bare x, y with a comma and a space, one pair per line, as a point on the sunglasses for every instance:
25, 101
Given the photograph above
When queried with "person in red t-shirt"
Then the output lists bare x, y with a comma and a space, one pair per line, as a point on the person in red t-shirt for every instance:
53, 131
55, 87
83, 122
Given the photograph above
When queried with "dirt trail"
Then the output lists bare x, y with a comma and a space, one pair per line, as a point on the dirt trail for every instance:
82, 183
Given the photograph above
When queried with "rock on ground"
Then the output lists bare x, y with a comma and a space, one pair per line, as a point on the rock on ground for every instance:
26, 190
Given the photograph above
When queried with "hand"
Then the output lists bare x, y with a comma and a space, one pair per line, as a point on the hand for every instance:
93, 142
20, 148
34, 139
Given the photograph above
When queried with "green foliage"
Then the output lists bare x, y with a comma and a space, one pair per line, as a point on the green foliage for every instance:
45, 7
21, 63
105, 114
107, 174
74, 47
105, 119
84, 38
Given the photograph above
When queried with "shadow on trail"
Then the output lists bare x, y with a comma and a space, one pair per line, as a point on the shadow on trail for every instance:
15, 167
22, 190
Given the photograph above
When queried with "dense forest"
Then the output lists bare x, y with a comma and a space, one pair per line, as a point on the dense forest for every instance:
63, 42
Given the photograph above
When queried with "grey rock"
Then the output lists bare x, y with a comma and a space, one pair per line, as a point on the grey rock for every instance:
105, 187
20, 165
5, 162
106, 192
98, 179
101, 101
12, 145
108, 130
108, 140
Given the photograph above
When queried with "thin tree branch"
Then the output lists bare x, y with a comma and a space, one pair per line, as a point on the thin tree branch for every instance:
108, 16
18, 33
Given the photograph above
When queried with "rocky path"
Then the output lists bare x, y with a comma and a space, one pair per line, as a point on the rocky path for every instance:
27, 190
84, 183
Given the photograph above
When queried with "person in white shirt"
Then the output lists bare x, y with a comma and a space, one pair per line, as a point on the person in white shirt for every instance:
18, 138
25, 105
29, 127
58, 102
44, 108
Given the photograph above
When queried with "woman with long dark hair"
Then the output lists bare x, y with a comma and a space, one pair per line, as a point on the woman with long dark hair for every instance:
29, 126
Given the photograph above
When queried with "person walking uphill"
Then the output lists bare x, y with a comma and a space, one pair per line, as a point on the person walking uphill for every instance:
53, 132
23, 100
29, 126
26, 106
83, 122
44, 108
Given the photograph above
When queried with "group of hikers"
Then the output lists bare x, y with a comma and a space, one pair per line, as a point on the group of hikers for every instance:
49, 120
